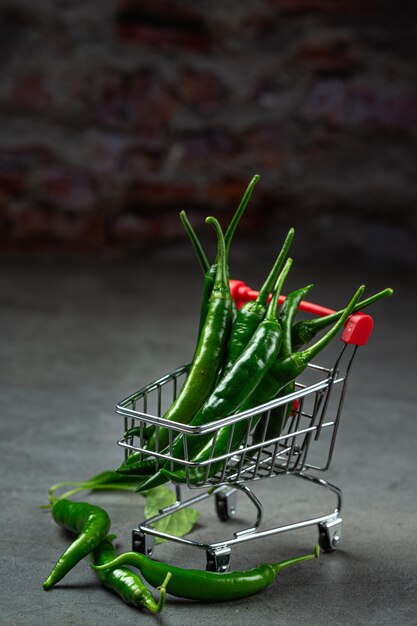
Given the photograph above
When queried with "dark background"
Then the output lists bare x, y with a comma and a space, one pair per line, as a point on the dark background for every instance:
116, 114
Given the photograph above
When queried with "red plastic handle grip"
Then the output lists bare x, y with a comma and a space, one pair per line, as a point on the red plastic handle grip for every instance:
358, 327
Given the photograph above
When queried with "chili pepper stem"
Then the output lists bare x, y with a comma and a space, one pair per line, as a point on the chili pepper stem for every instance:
162, 594
108, 487
221, 271
239, 212
272, 308
102, 478
311, 352
269, 283
65, 495
205, 265
65, 483
277, 567
93, 487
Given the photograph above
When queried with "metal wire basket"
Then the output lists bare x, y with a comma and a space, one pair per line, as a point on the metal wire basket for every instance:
306, 443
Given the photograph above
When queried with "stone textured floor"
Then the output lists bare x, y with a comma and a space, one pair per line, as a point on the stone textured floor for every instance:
78, 336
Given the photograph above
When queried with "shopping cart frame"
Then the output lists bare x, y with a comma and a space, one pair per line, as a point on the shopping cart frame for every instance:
284, 455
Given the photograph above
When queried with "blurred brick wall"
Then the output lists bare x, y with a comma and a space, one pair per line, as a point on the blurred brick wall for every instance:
116, 114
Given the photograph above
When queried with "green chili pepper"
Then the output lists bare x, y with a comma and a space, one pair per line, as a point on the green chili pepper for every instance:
304, 331
142, 467
210, 350
269, 429
207, 586
209, 276
124, 582
233, 388
91, 524
209, 271
252, 313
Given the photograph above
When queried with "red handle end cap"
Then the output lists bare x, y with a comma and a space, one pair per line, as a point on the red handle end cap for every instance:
358, 328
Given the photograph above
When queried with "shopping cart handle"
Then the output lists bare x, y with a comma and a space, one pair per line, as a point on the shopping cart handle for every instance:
242, 294
358, 326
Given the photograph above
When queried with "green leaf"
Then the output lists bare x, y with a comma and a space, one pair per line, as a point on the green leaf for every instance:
179, 523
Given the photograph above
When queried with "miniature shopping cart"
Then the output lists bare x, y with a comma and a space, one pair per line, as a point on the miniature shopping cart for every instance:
306, 443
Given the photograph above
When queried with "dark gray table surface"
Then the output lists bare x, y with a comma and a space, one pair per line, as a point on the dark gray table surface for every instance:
78, 336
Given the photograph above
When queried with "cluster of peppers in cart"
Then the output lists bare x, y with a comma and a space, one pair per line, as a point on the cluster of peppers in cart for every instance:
243, 359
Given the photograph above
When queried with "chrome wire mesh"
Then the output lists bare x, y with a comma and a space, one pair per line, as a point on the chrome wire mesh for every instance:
307, 440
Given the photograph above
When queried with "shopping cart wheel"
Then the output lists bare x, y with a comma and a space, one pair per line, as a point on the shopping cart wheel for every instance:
330, 534
218, 560
142, 543
225, 502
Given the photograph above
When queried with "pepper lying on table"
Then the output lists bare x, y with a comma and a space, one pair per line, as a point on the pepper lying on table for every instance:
91, 524
196, 584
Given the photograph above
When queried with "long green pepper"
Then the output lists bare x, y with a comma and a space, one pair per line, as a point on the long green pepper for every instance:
234, 388
210, 278
134, 464
209, 354
207, 586
125, 583
210, 273
91, 524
